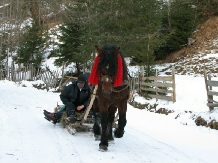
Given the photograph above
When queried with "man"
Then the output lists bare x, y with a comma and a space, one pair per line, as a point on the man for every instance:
75, 97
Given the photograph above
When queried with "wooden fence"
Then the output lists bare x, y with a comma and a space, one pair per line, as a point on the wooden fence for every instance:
134, 84
209, 83
54, 79
161, 87
18, 73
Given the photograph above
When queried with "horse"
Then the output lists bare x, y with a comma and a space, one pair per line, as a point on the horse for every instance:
109, 72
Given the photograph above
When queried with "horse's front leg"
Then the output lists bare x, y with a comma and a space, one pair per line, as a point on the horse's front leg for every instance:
97, 123
118, 133
104, 135
111, 115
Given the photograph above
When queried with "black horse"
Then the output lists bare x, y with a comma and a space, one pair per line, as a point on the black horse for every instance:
109, 72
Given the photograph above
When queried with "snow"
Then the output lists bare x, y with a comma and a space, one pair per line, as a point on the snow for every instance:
25, 136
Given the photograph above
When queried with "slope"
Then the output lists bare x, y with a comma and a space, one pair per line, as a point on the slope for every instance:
199, 55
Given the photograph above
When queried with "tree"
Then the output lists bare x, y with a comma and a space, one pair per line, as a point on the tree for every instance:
73, 48
178, 23
206, 8
133, 25
31, 47
147, 23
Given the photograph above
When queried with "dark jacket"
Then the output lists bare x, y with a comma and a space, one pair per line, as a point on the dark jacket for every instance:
70, 92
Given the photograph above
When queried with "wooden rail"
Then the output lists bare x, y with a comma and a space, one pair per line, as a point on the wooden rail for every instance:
209, 84
159, 82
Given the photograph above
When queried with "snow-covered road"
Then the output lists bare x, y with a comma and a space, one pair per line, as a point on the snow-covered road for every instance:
26, 137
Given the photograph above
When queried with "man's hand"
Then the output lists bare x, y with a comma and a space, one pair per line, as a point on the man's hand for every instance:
80, 107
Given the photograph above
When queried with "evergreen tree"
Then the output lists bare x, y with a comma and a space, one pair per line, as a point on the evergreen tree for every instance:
133, 25
206, 8
3, 48
178, 24
147, 23
73, 48
31, 47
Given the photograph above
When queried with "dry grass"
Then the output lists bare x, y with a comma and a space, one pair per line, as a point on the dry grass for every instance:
193, 59
204, 38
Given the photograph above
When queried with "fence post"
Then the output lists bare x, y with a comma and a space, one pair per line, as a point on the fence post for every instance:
209, 97
140, 78
13, 72
31, 71
174, 84
156, 86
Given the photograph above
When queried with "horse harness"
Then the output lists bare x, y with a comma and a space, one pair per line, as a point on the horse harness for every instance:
109, 79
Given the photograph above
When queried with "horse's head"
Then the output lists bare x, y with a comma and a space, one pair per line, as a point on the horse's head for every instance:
107, 66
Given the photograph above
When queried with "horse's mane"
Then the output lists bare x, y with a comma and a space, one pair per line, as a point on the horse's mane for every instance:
108, 59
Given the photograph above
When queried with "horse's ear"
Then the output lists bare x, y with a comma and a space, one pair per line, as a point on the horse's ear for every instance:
98, 50
117, 51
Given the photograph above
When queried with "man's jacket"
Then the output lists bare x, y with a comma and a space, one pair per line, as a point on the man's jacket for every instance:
70, 92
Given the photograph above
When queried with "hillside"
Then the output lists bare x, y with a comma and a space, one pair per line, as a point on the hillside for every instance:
202, 53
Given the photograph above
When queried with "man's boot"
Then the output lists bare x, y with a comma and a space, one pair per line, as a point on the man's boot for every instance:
50, 117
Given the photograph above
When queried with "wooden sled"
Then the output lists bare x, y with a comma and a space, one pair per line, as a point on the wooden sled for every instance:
83, 123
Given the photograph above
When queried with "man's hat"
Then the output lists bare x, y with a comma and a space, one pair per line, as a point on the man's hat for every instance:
81, 79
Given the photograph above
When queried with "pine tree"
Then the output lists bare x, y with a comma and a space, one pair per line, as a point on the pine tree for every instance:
178, 23
31, 47
73, 48
147, 23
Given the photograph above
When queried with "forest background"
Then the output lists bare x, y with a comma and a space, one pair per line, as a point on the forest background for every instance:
146, 30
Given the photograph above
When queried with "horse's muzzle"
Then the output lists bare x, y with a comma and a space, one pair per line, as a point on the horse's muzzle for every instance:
107, 92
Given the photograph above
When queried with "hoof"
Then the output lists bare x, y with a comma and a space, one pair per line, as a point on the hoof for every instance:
97, 137
103, 148
110, 138
118, 133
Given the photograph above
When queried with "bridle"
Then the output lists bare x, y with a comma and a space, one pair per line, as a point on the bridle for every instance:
108, 79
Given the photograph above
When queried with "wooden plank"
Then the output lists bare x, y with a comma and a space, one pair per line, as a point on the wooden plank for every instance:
212, 104
174, 85
71, 77
157, 84
168, 98
212, 93
157, 90
209, 78
209, 97
162, 78
47, 80
211, 100
212, 83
